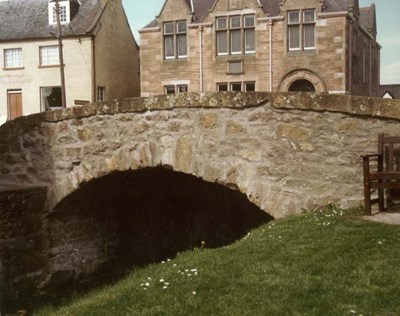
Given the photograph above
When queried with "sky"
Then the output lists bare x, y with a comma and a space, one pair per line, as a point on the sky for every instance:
140, 13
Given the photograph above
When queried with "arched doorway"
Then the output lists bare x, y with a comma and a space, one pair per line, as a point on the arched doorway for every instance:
302, 80
301, 85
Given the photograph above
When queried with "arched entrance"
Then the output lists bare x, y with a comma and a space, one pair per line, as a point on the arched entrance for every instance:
302, 85
302, 80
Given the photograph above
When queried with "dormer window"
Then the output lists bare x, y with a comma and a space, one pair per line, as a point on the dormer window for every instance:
64, 12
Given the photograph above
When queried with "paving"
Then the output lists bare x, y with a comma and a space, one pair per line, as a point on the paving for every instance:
392, 218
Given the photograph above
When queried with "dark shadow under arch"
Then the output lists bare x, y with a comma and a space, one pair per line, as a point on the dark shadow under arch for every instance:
134, 218
301, 85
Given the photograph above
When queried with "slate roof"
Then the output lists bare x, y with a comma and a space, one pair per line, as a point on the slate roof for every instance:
367, 18
28, 19
392, 89
272, 8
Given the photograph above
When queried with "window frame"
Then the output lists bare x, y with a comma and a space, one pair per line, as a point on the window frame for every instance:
177, 88
247, 83
222, 84
174, 35
309, 23
233, 35
65, 15
228, 86
15, 61
41, 58
299, 26
101, 93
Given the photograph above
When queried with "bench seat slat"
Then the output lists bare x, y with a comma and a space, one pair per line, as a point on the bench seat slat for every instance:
385, 175
385, 185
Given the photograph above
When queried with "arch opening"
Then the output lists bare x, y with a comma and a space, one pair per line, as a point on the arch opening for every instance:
302, 80
301, 85
133, 218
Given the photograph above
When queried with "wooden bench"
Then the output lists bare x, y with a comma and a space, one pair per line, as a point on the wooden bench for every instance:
382, 172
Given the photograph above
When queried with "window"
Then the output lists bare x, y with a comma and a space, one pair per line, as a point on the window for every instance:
182, 88
249, 86
63, 12
222, 87
101, 93
237, 86
171, 89
235, 35
13, 58
49, 55
50, 98
175, 39
301, 30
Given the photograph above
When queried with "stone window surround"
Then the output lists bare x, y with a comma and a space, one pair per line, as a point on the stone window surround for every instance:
228, 86
301, 24
229, 29
176, 88
176, 34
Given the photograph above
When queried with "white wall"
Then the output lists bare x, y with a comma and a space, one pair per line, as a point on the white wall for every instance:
78, 73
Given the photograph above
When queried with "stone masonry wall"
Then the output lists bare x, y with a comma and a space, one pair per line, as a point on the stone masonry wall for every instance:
284, 151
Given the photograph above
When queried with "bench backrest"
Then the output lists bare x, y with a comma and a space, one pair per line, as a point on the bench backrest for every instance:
389, 149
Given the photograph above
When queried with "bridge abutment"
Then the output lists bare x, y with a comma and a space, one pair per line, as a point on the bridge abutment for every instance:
23, 243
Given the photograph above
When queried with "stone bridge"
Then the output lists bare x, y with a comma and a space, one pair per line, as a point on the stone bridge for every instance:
283, 152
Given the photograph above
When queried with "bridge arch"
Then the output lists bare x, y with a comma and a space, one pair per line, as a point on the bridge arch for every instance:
285, 151
139, 217
258, 143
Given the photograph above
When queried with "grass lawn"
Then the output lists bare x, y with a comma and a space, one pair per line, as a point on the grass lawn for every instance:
324, 262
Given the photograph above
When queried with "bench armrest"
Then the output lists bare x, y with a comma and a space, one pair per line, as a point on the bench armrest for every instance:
367, 157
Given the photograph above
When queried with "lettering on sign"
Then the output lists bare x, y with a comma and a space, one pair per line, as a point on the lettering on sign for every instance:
81, 102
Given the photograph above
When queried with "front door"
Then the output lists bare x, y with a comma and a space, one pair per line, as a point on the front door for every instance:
14, 104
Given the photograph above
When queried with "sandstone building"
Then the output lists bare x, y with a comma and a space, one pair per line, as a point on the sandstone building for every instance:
326, 46
101, 57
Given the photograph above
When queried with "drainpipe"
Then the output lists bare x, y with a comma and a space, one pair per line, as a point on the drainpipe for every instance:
201, 57
350, 69
94, 87
370, 69
270, 54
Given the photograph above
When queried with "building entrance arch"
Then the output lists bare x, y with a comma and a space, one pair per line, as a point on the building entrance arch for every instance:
302, 80
302, 85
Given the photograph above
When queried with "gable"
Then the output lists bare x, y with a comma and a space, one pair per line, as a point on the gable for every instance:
174, 9
271, 8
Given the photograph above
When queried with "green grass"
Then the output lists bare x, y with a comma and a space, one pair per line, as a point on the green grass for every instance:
319, 263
